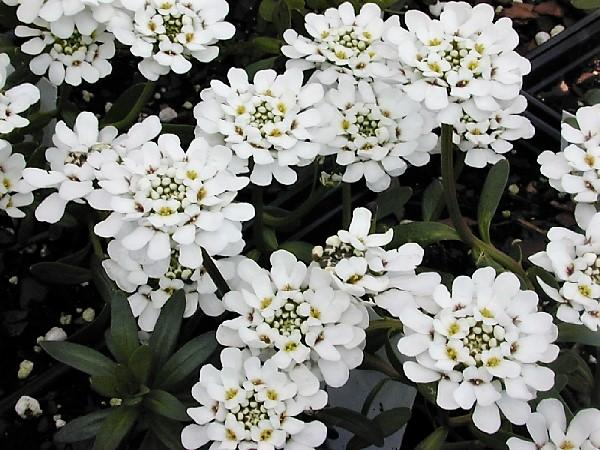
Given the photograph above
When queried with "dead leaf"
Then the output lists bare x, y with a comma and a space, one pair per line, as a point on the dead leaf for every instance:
520, 11
550, 8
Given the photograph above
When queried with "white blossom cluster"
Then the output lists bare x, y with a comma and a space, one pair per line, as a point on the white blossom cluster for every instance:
14, 100
73, 40
253, 404
360, 265
574, 260
166, 204
483, 343
14, 191
374, 130
269, 122
463, 67
549, 429
343, 42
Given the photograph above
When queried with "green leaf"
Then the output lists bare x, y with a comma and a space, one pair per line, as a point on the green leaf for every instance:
80, 357
435, 440
578, 334
214, 273
123, 328
492, 192
106, 386
165, 404
423, 233
302, 250
164, 337
433, 201
428, 391
372, 395
122, 105
82, 428
60, 273
266, 9
586, 4
298, 5
269, 237
592, 96
186, 361
282, 17
140, 363
352, 421
115, 428
392, 201
393, 356
389, 421
168, 431
261, 64
268, 44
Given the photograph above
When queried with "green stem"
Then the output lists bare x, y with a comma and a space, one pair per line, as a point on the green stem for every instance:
374, 362
135, 111
459, 421
346, 205
463, 230
96, 244
294, 216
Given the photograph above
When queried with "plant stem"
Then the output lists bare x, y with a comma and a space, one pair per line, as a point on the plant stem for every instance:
214, 273
277, 222
346, 205
463, 230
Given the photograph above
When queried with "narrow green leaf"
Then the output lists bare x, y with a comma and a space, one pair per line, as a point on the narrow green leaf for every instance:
282, 17
578, 334
393, 356
82, 428
298, 5
123, 328
392, 201
492, 192
168, 431
80, 357
266, 9
106, 386
214, 273
115, 428
140, 363
352, 421
186, 361
389, 421
586, 4
261, 64
423, 233
164, 337
301, 250
165, 404
269, 237
364, 410
268, 44
433, 201
435, 440
60, 273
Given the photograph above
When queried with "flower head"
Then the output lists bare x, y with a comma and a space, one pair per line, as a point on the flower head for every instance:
270, 121
344, 42
483, 342
14, 191
14, 100
375, 131
294, 315
250, 404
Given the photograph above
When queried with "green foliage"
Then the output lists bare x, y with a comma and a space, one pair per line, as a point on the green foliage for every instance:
493, 188
363, 427
586, 4
435, 440
578, 334
423, 233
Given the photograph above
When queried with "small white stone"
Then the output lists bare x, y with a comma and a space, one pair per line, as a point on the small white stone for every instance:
14, 280
188, 105
65, 319
107, 106
557, 29
88, 314
87, 96
167, 114
27, 407
55, 334
25, 368
542, 37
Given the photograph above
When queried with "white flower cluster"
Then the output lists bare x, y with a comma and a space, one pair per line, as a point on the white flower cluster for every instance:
549, 429
250, 404
361, 266
574, 260
575, 169
270, 122
14, 191
375, 131
294, 315
166, 204
81, 56
343, 42
463, 67
483, 344
14, 100
168, 34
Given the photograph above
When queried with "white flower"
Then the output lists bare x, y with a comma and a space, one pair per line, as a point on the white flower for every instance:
549, 429
294, 315
271, 121
151, 283
375, 131
27, 407
158, 194
80, 56
483, 343
167, 35
574, 259
14, 191
63, 16
342, 42
248, 404
462, 55
14, 100
575, 169
72, 165
485, 136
